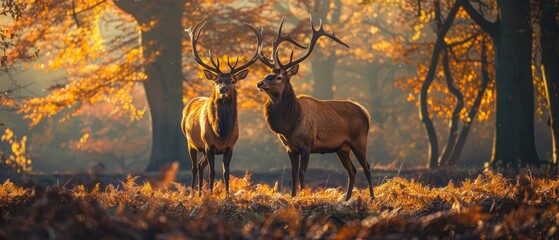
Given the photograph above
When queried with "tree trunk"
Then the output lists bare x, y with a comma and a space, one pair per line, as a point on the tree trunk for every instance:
161, 45
423, 109
378, 75
323, 76
453, 128
550, 63
323, 67
424, 115
457, 151
514, 131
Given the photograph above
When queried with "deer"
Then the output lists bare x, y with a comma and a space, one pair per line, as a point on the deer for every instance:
210, 124
306, 125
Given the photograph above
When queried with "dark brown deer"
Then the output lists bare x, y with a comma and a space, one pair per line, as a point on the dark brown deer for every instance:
210, 123
306, 125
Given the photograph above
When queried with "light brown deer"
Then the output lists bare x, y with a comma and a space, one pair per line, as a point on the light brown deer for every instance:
210, 124
307, 125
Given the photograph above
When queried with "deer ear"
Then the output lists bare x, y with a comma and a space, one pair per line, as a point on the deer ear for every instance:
242, 74
210, 75
293, 70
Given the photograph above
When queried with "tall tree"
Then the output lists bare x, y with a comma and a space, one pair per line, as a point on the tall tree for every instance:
454, 148
163, 86
511, 33
107, 47
457, 137
549, 41
442, 29
512, 40
454, 36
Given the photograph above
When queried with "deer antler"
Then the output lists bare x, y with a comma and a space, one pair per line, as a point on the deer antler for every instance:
194, 35
273, 62
315, 35
254, 56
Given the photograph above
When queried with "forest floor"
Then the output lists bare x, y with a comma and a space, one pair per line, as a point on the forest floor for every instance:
412, 204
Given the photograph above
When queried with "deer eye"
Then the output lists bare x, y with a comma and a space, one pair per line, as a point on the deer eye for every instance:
278, 78
232, 82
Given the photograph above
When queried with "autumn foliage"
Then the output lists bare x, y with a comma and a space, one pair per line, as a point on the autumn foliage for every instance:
98, 50
488, 206
102, 69
15, 157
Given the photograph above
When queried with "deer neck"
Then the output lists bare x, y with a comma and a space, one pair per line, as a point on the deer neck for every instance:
222, 113
283, 112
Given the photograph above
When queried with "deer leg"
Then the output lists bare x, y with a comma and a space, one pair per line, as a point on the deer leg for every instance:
194, 159
225, 165
201, 167
303, 169
211, 161
361, 155
345, 159
294, 157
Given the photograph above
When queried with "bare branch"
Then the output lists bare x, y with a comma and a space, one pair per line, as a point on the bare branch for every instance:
487, 26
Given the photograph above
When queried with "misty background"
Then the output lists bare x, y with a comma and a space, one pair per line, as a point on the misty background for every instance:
396, 138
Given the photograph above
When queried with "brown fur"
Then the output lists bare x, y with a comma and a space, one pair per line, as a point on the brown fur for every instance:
306, 125
211, 127
285, 116
210, 124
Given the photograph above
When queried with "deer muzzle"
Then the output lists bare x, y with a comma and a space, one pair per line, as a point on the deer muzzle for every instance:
223, 90
260, 86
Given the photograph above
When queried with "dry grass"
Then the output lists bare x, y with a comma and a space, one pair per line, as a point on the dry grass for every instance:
489, 206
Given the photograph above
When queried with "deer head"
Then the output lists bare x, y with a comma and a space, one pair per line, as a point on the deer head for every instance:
224, 81
276, 82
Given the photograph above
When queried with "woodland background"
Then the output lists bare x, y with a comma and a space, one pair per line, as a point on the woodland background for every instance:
81, 81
